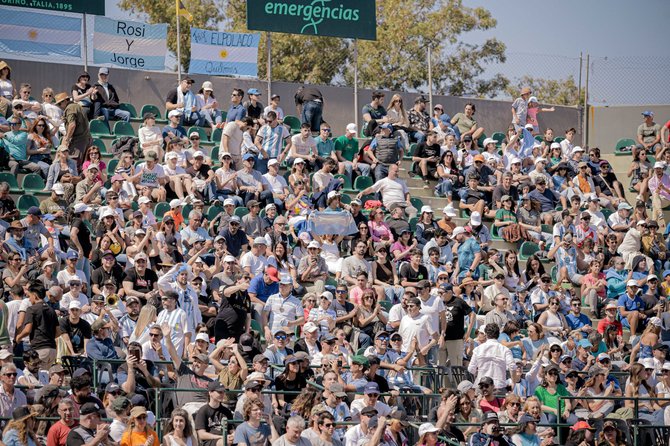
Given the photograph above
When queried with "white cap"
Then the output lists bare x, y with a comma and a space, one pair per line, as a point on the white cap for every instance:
92, 166
171, 156
666, 366
207, 85
298, 161
632, 282
175, 203
648, 363
488, 141
333, 193
576, 149
449, 210
426, 208
74, 304
514, 160
476, 218
314, 244
202, 337
532, 99
141, 255
555, 145
58, 188
655, 321
108, 213
82, 207
482, 329
310, 327
229, 201
198, 154
272, 162
641, 222
260, 241
659, 165
352, 128
427, 428
458, 230
174, 113
540, 159
529, 126
144, 200
229, 258
328, 295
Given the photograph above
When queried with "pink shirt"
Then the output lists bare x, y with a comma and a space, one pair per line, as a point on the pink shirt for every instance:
589, 280
356, 295
380, 231
654, 183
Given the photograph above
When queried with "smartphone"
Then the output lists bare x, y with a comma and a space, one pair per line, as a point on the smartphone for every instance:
135, 353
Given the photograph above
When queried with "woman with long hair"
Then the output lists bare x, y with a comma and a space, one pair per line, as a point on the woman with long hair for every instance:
92, 156
126, 169
639, 173
510, 412
533, 272
596, 386
552, 320
385, 276
611, 435
179, 430
40, 143
290, 379
7, 88
513, 277
648, 339
64, 171
548, 392
299, 173
168, 239
208, 105
425, 227
145, 320
20, 430
84, 94
304, 403
370, 314
468, 413
226, 183
281, 260
535, 341
138, 432
403, 246
638, 387
526, 432
396, 115
448, 176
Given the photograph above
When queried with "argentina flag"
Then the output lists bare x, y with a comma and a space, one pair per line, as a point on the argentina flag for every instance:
29, 33
224, 54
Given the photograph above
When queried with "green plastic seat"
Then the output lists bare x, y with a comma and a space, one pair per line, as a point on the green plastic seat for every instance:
255, 326
122, 128
410, 152
499, 137
216, 135
293, 122
100, 144
111, 166
620, 144
416, 202
412, 223
25, 202
345, 198
150, 108
34, 184
214, 211
201, 131
185, 210
241, 211
99, 129
495, 235
347, 182
130, 108
527, 249
480, 140
539, 138
386, 304
11, 180
559, 139
160, 209
362, 182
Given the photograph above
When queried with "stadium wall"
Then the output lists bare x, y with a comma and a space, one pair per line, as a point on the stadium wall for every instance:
609, 124
140, 88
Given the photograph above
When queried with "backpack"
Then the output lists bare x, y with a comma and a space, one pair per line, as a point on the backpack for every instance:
126, 144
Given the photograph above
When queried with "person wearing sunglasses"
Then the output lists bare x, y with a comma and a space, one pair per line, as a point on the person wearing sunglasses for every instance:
138, 432
8, 374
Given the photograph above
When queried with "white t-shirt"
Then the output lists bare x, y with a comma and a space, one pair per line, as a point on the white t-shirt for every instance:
432, 309
396, 313
234, 134
277, 183
64, 277
256, 264
419, 328
304, 146
68, 297
393, 191
14, 307
150, 177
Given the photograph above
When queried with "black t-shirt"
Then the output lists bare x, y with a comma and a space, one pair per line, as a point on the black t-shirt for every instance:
233, 312
295, 385
84, 237
408, 273
342, 310
77, 332
254, 112
423, 150
7, 205
80, 90
209, 418
45, 321
75, 438
235, 242
99, 275
172, 97
201, 173
456, 310
144, 283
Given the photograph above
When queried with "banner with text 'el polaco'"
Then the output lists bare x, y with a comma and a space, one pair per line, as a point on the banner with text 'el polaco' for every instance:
129, 44
224, 54
47, 36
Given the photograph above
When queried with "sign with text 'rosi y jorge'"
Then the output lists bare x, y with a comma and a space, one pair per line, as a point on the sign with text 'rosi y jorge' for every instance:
224, 54
354, 19
129, 44
95, 7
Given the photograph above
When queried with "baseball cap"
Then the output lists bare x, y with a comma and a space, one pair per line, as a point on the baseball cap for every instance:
34, 210
89, 408
75, 304
248, 156
427, 428
352, 128
254, 91
215, 386
273, 162
647, 113
103, 70
465, 385
584, 343
174, 113
632, 282
58, 189
144, 200
271, 271
310, 327
337, 390
371, 387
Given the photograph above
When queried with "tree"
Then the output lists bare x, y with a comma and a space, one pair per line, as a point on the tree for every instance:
295, 58
549, 91
206, 15
398, 59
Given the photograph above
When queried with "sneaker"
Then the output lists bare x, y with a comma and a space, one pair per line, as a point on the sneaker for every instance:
426, 184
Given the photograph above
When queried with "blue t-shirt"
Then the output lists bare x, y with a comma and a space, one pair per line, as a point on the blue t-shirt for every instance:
179, 131
236, 113
630, 304
466, 254
261, 289
517, 352
575, 322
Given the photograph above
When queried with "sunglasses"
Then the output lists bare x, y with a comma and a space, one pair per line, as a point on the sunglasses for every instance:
156, 335
10, 374
280, 337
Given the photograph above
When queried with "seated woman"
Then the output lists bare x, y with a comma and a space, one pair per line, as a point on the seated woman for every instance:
553, 321
448, 176
181, 182
638, 387
150, 135
379, 229
548, 392
425, 227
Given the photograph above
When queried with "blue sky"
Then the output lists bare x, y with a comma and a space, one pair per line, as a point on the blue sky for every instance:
544, 39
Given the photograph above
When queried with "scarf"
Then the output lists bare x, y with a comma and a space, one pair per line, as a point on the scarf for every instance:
189, 100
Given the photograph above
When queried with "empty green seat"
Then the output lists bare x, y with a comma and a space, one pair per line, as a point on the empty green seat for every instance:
417, 203
347, 182
499, 137
99, 129
216, 135
621, 144
111, 166
241, 211
527, 249
26, 202
292, 122
160, 209
122, 128
11, 180
33, 183
362, 182
130, 108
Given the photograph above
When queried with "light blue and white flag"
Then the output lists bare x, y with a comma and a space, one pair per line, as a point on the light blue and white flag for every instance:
329, 222
28, 33
129, 44
224, 54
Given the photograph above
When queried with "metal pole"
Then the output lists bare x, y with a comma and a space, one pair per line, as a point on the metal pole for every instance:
585, 133
580, 107
430, 78
178, 48
85, 45
356, 81
268, 41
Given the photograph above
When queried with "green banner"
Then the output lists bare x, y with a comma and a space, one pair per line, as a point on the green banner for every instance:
354, 19
95, 7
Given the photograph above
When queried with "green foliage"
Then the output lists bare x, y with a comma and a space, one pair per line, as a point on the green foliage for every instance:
549, 91
206, 15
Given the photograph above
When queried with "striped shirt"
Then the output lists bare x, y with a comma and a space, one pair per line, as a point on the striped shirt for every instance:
273, 139
177, 320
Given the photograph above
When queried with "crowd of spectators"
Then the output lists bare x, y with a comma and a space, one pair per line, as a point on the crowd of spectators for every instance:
287, 313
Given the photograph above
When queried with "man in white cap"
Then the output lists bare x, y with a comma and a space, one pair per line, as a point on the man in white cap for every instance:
312, 269
659, 186
631, 245
255, 261
631, 308
278, 185
88, 190
107, 100
346, 152
282, 311
55, 204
